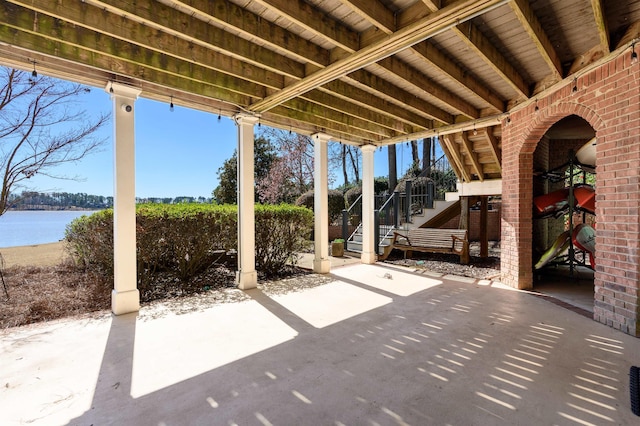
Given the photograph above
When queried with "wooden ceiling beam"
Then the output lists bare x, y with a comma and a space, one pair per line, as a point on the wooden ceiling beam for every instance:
366, 119
365, 99
423, 83
426, 85
473, 38
163, 31
601, 25
313, 20
104, 22
380, 16
183, 78
323, 124
396, 42
375, 12
395, 94
447, 152
431, 55
225, 13
338, 118
468, 146
532, 27
496, 153
454, 154
492, 57
178, 75
205, 9
632, 33
226, 74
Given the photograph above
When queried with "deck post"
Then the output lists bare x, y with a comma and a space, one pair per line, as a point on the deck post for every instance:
369, 253
125, 297
484, 233
321, 261
247, 277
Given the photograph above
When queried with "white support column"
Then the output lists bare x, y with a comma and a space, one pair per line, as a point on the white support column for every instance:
369, 254
247, 276
321, 262
125, 297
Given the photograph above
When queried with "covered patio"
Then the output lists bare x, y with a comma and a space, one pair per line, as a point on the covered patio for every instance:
376, 345
488, 78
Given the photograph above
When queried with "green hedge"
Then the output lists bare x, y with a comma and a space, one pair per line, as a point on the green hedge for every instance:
186, 238
335, 203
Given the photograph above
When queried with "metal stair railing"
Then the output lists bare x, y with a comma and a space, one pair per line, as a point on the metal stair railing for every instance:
440, 179
388, 216
399, 208
353, 212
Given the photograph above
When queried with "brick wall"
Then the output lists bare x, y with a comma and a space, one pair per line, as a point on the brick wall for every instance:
608, 98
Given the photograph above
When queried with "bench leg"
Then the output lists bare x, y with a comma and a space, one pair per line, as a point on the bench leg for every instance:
464, 256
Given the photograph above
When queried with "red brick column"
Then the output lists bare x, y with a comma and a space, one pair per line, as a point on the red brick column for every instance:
608, 97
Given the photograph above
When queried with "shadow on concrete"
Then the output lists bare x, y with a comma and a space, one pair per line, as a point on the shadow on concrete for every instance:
452, 353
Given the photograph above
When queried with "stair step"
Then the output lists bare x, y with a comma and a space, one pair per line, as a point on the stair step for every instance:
356, 247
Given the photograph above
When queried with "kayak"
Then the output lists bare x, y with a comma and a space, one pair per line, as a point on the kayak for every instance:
551, 204
558, 247
585, 196
586, 155
584, 238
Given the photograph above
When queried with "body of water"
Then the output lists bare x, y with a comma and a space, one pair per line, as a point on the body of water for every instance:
24, 228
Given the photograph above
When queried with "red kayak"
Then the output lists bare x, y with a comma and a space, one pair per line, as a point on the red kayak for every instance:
585, 196
556, 202
551, 204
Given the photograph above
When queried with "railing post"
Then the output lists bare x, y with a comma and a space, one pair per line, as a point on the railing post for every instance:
345, 226
396, 209
431, 193
376, 230
407, 190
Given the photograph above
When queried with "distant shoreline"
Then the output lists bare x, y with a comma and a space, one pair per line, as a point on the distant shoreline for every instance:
53, 209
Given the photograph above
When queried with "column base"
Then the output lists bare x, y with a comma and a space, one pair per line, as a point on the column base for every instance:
125, 302
321, 266
369, 258
247, 280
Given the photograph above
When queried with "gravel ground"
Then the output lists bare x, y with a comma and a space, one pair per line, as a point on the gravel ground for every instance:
487, 268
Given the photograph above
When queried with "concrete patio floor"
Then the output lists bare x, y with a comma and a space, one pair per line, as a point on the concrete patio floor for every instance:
377, 346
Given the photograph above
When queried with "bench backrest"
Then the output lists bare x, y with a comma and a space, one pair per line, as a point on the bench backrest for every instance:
437, 238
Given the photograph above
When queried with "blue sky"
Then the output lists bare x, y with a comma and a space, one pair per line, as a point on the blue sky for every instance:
177, 153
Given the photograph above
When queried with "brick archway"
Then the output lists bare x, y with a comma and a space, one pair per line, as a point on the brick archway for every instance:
611, 107
524, 140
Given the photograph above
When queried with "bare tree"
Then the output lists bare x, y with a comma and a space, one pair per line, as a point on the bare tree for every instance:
345, 173
426, 156
414, 154
353, 153
291, 173
41, 127
393, 167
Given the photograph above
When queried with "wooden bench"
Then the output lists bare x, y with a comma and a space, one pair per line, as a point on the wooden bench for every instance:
432, 240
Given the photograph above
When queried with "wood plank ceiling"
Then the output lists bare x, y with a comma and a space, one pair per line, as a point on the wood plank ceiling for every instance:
362, 71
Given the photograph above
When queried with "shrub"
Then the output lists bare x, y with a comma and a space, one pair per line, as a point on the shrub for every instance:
281, 233
183, 238
381, 185
335, 203
90, 240
419, 184
352, 195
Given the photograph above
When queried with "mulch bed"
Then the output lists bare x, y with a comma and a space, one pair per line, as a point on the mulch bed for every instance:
37, 294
